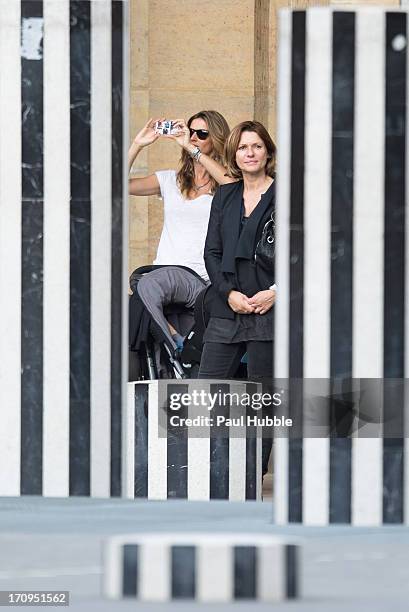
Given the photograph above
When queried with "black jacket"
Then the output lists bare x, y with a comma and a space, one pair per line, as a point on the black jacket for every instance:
225, 244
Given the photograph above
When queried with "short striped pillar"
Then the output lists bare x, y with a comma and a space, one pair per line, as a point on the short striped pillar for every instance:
342, 251
63, 246
203, 567
167, 457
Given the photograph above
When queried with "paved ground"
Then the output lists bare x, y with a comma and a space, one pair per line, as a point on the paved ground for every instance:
52, 544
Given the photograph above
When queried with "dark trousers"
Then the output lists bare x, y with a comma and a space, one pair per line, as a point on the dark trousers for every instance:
221, 360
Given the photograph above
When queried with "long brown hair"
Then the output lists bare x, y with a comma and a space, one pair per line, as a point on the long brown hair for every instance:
232, 144
218, 132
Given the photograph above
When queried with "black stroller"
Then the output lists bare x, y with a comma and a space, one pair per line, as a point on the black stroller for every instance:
153, 353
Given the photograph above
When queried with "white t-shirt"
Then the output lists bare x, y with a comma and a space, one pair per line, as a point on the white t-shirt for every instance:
184, 226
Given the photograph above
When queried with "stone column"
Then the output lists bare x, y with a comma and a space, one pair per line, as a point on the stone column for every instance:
342, 253
63, 246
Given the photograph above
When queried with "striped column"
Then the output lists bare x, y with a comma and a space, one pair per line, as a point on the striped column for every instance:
203, 567
167, 457
343, 309
63, 102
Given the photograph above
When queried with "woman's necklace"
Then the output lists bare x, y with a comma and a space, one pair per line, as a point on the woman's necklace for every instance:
197, 188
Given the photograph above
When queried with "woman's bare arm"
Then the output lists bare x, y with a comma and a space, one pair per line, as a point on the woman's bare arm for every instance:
216, 170
148, 185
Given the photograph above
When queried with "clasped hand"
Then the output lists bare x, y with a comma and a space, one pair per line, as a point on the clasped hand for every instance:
260, 303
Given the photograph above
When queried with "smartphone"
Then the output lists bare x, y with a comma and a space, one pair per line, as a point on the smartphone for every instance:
166, 127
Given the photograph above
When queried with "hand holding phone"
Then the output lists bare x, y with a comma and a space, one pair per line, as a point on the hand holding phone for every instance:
166, 127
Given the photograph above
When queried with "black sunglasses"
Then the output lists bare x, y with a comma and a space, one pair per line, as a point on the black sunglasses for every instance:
201, 134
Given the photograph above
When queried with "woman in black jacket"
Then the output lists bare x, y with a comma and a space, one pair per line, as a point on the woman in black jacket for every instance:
244, 291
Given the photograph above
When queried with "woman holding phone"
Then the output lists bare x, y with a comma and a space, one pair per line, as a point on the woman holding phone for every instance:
187, 195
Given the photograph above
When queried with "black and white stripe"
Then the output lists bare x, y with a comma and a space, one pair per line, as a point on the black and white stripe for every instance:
204, 567
341, 261
32, 203
62, 259
164, 460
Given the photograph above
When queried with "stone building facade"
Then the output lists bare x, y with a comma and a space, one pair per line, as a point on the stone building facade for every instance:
188, 55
